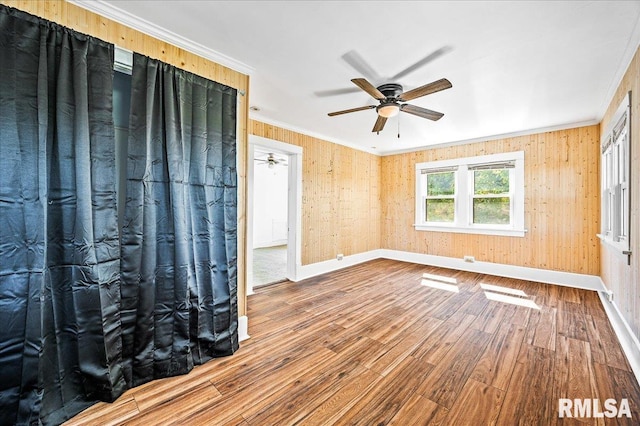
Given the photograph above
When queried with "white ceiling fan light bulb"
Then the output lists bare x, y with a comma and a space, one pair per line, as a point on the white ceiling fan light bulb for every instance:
388, 110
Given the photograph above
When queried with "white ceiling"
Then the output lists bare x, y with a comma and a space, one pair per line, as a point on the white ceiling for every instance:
515, 66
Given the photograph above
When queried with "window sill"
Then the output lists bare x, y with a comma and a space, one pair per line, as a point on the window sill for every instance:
474, 230
619, 248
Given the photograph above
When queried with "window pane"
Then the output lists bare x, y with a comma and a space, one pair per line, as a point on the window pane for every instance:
440, 210
493, 181
443, 183
493, 211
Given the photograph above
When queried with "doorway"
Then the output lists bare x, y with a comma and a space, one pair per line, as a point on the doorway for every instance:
273, 212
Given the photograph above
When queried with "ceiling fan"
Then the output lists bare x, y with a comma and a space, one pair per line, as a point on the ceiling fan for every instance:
391, 96
271, 161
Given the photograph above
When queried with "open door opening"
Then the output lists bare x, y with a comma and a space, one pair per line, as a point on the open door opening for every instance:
270, 224
273, 212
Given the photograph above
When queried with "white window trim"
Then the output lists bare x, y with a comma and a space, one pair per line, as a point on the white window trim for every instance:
463, 204
615, 211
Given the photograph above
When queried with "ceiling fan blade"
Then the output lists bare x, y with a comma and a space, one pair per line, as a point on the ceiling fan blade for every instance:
421, 112
359, 64
334, 92
380, 122
427, 89
430, 57
369, 88
345, 111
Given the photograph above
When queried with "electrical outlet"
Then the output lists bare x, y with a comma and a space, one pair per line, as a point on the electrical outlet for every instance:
469, 259
340, 256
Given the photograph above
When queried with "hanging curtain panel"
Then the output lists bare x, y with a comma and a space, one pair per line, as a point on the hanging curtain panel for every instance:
59, 247
87, 312
179, 246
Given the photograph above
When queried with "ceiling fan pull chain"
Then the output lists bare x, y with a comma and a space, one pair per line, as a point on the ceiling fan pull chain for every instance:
398, 127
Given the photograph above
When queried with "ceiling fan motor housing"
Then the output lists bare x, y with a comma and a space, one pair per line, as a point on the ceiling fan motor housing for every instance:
390, 90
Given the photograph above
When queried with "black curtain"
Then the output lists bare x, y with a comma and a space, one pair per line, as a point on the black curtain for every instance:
179, 246
59, 248
83, 314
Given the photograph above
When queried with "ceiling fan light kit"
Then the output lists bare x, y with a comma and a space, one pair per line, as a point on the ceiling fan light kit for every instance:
388, 110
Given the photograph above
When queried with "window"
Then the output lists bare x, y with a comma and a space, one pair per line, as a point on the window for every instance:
492, 194
440, 198
482, 195
615, 180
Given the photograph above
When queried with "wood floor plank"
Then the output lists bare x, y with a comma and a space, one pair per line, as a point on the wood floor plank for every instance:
296, 399
437, 344
478, 404
371, 345
617, 384
542, 328
107, 414
605, 346
497, 362
419, 411
396, 350
528, 400
574, 376
572, 324
476, 304
384, 400
492, 316
444, 384
196, 399
251, 390
332, 409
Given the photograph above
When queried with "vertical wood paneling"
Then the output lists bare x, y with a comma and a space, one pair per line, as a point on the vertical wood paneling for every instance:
621, 278
340, 195
561, 204
82, 20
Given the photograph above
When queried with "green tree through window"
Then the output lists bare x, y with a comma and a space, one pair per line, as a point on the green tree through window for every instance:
491, 200
440, 201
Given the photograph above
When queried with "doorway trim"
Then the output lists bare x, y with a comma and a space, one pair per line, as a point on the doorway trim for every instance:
294, 206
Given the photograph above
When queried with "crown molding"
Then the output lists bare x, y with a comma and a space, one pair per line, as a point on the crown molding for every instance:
116, 14
487, 138
286, 126
490, 138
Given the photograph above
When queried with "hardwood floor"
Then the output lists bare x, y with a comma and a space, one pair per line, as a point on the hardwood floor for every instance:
387, 342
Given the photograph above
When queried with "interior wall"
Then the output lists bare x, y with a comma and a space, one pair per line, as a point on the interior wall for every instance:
105, 29
620, 277
270, 205
562, 204
340, 195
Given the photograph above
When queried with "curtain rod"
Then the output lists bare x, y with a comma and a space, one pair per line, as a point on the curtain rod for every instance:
123, 62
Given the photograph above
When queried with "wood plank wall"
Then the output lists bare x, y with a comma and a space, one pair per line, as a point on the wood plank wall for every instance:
95, 25
562, 204
618, 276
340, 195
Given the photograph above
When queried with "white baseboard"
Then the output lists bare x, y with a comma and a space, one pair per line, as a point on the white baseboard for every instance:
266, 244
314, 269
243, 328
628, 340
569, 279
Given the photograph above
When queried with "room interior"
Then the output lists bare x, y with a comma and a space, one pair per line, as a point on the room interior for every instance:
355, 208
270, 208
